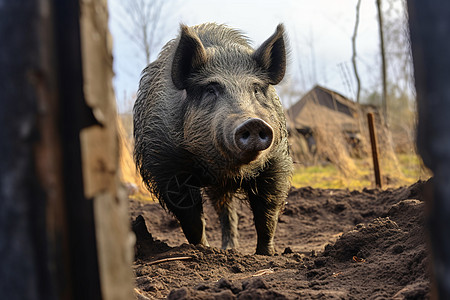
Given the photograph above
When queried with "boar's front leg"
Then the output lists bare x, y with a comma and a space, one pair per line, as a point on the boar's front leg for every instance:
267, 195
193, 224
265, 216
184, 200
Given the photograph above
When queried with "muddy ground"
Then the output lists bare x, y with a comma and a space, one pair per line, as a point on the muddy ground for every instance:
331, 244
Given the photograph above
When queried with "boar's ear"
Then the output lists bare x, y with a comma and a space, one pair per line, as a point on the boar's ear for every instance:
271, 56
190, 54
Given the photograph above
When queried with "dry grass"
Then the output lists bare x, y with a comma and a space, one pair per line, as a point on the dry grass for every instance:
334, 163
407, 169
331, 144
128, 173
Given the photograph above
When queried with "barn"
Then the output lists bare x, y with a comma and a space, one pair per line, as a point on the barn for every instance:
322, 107
323, 111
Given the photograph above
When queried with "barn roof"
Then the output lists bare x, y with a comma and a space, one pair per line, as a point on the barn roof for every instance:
323, 107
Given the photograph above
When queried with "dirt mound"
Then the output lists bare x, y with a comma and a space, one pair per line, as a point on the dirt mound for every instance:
332, 244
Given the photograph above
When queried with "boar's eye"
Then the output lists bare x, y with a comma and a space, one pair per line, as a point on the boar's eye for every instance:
257, 90
211, 90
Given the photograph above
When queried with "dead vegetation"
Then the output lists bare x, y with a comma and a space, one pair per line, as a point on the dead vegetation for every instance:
328, 129
128, 173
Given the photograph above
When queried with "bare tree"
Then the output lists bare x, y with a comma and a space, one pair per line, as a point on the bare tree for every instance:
142, 24
383, 60
397, 48
355, 69
397, 52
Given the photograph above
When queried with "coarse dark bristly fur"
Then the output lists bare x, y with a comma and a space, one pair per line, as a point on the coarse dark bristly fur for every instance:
191, 99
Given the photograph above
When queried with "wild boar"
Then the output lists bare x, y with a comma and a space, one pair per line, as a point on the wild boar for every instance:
208, 124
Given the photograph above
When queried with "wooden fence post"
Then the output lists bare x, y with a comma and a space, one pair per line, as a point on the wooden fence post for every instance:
430, 28
64, 229
374, 146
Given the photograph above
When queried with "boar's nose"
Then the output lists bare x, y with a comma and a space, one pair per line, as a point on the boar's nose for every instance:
252, 136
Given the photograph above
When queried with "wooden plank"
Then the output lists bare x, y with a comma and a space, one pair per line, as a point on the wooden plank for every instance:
100, 153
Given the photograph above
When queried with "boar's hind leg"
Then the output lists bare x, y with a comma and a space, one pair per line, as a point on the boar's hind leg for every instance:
226, 210
190, 216
229, 222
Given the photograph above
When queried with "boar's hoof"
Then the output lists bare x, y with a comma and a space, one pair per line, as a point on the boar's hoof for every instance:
269, 251
252, 137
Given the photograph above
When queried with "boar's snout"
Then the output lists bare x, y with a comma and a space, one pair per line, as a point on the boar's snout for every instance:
251, 137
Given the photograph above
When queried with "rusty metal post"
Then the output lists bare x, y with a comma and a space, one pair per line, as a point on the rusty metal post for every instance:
373, 143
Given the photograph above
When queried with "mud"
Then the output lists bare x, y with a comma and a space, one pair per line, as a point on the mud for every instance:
331, 244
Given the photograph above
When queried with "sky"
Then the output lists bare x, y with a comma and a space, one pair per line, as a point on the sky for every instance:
319, 34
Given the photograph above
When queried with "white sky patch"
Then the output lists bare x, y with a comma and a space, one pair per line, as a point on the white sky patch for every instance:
319, 33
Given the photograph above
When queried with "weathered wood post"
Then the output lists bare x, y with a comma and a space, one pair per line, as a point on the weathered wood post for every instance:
429, 25
374, 147
64, 231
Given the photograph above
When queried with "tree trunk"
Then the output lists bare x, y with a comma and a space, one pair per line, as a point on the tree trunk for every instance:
383, 62
355, 68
